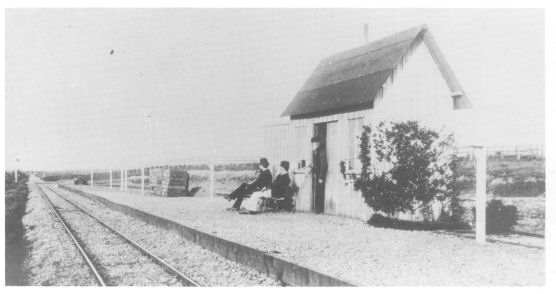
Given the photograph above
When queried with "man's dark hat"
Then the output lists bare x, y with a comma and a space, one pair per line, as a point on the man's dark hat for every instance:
315, 139
285, 165
264, 162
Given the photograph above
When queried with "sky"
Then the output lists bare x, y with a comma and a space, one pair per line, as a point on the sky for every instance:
80, 81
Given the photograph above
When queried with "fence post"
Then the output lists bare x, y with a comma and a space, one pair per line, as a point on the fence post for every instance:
125, 179
142, 180
92, 178
110, 171
121, 179
211, 179
480, 197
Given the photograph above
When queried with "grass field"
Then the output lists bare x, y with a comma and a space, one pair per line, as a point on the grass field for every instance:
508, 177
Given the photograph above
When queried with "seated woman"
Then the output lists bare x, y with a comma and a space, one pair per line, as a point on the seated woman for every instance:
282, 181
264, 180
278, 189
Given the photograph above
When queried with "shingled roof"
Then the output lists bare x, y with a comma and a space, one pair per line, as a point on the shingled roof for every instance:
352, 79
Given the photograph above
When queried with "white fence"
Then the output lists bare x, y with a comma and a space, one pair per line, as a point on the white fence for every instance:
516, 151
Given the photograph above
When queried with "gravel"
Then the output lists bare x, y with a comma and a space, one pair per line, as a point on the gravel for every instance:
350, 249
203, 266
118, 262
52, 259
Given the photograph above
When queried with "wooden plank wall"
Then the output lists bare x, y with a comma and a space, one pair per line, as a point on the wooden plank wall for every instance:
292, 142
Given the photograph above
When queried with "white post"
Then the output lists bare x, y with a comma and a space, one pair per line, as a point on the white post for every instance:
480, 201
142, 180
211, 179
125, 180
121, 179
15, 173
92, 178
110, 171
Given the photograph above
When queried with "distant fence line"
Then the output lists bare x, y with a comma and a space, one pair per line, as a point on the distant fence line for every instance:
517, 151
202, 163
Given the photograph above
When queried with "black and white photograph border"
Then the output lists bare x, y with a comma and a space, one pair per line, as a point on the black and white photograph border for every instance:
279, 144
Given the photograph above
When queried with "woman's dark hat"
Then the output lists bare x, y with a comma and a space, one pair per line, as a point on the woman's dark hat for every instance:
285, 165
264, 162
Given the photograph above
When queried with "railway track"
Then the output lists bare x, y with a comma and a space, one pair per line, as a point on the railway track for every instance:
104, 248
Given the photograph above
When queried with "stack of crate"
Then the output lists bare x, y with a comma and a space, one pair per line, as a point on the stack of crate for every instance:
169, 182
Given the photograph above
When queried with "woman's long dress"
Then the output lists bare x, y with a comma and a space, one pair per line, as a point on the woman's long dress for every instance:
252, 203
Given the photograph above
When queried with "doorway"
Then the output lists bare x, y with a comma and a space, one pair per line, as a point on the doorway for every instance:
318, 191
328, 133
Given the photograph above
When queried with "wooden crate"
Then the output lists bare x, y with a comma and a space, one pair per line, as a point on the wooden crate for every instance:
169, 182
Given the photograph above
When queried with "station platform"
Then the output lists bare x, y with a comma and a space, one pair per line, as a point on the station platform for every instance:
346, 248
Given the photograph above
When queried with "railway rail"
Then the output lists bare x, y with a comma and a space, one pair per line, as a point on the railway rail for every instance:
93, 260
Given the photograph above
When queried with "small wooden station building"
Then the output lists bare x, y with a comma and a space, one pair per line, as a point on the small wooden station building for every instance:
400, 77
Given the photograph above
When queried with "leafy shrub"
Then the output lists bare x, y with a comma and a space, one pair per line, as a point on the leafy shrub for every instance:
9, 177
16, 195
412, 166
500, 218
82, 180
15, 209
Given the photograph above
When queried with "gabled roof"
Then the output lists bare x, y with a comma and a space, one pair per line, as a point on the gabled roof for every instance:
352, 79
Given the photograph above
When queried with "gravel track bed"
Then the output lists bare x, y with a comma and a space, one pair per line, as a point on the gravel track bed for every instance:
203, 266
351, 249
52, 258
118, 262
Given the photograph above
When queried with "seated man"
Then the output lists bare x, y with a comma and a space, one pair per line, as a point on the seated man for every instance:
264, 180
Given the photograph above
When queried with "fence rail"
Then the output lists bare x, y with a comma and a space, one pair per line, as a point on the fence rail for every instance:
517, 151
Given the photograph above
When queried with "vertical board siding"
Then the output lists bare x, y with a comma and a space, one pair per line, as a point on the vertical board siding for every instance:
420, 93
292, 142
276, 145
